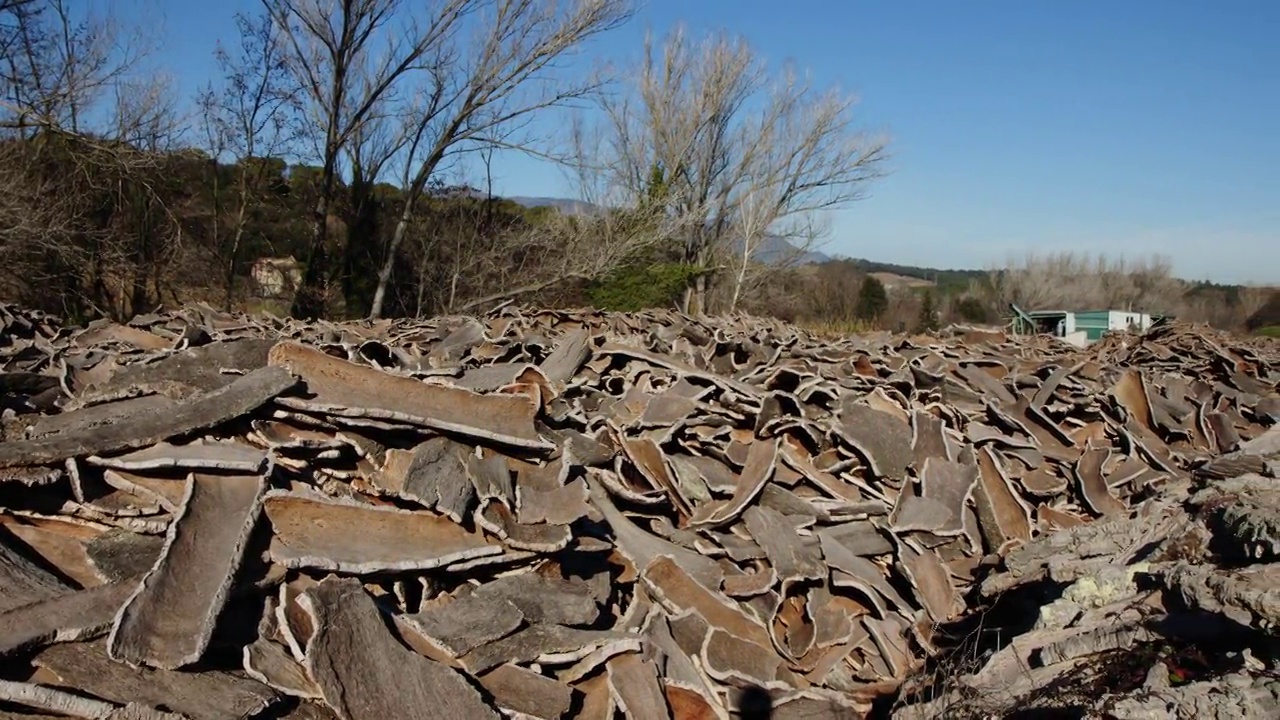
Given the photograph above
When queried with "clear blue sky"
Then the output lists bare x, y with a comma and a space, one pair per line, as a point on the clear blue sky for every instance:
1129, 126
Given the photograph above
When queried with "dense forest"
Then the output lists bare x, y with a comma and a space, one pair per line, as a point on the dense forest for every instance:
337, 165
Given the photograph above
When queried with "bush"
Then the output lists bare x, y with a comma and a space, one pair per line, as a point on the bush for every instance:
637, 288
972, 310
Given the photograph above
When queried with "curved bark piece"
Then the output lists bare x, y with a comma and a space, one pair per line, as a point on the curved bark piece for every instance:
750, 584
433, 475
464, 624
649, 459
1130, 393
931, 581
543, 496
859, 537
641, 547
985, 383
881, 439
916, 514
499, 520
542, 643
951, 484
490, 473
859, 573
23, 582
570, 353
197, 456
169, 620
528, 693
1043, 482
636, 689
543, 599
678, 592
759, 468
928, 438
1093, 485
242, 396
735, 661
345, 389
271, 664
344, 536
1000, 515
364, 673
60, 542
791, 557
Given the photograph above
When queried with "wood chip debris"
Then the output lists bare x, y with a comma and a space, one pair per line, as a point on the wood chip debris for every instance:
552, 514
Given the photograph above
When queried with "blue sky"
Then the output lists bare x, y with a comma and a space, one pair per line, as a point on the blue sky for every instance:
1130, 126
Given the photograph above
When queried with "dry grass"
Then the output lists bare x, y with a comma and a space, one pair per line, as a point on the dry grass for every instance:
837, 328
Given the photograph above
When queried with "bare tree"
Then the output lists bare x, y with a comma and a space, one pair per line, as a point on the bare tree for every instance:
765, 247
725, 136
479, 93
251, 117
1075, 281
85, 183
372, 149
492, 252
1252, 298
331, 51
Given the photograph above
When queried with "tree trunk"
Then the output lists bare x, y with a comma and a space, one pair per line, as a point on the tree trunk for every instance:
362, 234
308, 302
234, 254
388, 263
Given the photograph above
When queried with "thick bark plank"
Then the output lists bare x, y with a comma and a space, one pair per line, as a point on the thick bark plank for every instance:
791, 557
343, 388
198, 695
364, 673
94, 416
342, 536
240, 397
70, 617
200, 368
168, 622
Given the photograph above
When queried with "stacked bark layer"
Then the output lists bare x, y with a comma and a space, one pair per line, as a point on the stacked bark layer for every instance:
571, 514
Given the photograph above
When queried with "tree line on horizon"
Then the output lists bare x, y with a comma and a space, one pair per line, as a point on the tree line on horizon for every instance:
360, 138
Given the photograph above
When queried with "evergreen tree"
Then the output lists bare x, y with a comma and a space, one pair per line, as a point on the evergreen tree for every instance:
928, 320
872, 300
973, 310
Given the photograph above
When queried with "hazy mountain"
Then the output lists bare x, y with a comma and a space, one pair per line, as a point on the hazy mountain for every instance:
567, 206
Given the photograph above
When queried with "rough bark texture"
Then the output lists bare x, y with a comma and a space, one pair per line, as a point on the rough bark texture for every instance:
539, 513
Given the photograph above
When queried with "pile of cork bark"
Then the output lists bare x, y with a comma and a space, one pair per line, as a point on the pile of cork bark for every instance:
555, 514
